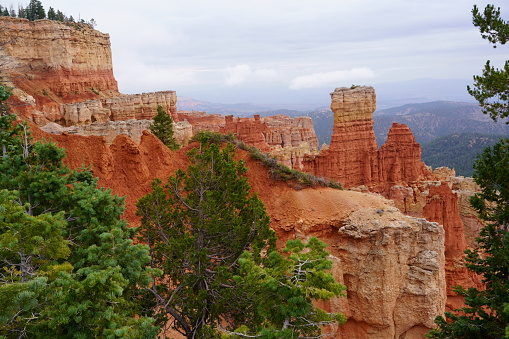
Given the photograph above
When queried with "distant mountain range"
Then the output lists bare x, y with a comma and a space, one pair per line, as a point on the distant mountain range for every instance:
431, 120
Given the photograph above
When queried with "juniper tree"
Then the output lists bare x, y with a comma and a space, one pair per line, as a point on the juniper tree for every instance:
198, 224
211, 238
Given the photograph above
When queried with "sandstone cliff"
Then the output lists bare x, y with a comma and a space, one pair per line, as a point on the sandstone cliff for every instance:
63, 73
54, 60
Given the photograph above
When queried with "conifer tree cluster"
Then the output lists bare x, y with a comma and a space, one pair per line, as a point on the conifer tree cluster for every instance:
35, 11
68, 264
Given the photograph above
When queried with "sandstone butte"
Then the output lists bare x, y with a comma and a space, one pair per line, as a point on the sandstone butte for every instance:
396, 238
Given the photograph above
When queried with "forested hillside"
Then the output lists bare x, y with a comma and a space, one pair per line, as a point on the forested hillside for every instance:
457, 151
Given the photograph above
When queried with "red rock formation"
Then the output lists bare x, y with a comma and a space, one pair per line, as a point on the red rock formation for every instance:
289, 139
392, 264
442, 207
353, 157
399, 158
57, 61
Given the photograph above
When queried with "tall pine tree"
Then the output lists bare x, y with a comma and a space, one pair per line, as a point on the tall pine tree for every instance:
491, 89
486, 314
162, 128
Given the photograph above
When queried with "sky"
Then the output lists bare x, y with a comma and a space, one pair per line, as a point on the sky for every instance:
269, 50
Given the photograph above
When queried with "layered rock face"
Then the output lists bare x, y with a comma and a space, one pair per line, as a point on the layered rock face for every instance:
119, 108
55, 60
63, 73
183, 131
353, 157
289, 139
392, 264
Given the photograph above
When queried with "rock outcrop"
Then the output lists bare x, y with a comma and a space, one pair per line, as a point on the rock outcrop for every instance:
289, 139
442, 207
119, 108
57, 61
183, 131
63, 73
392, 264
353, 157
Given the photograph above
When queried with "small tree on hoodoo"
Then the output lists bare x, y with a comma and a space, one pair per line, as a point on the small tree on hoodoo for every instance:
162, 128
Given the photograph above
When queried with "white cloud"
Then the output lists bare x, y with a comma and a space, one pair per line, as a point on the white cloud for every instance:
244, 73
328, 79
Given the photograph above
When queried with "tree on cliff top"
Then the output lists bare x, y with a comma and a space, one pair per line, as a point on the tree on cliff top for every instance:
68, 265
199, 226
162, 128
491, 89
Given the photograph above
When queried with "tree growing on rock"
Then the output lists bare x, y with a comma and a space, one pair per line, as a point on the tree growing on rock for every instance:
162, 128
211, 238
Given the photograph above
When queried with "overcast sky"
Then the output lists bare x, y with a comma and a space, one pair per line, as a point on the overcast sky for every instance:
214, 46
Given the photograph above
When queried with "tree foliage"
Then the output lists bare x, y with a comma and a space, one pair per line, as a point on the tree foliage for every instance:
221, 273
283, 290
69, 268
491, 89
162, 128
198, 225
486, 314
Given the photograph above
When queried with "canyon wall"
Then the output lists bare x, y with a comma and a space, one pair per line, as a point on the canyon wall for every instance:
55, 60
63, 73
353, 157
392, 264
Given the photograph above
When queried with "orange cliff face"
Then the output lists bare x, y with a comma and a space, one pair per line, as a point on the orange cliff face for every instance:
353, 157
64, 73
392, 264
442, 207
57, 60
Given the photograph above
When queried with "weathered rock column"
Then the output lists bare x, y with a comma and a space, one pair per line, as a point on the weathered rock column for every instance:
349, 158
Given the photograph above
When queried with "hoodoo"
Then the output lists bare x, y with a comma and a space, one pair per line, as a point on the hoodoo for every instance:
353, 157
